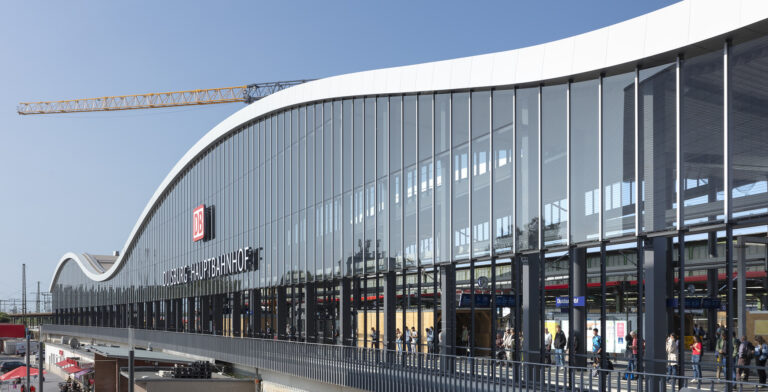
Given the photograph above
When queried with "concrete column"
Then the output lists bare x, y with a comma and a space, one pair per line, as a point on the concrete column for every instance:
389, 283
218, 314
578, 321
282, 313
657, 262
237, 313
448, 309
345, 312
532, 325
205, 314
310, 301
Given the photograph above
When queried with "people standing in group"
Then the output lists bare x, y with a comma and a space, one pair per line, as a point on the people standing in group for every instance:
547, 346
414, 340
560, 342
672, 352
430, 340
399, 339
761, 356
746, 352
696, 356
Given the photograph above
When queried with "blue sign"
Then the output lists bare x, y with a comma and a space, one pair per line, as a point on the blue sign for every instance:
484, 301
695, 303
563, 302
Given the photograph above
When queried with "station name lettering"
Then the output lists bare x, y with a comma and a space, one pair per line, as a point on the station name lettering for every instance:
241, 260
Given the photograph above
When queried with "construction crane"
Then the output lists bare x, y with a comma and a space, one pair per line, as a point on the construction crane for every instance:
246, 94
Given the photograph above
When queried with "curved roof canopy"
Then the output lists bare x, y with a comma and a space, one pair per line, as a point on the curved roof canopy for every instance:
687, 26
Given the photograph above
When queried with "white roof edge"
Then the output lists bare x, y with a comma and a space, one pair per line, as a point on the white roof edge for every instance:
682, 24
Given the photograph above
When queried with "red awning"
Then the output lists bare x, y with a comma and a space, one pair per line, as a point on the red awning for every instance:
66, 362
12, 331
19, 372
72, 369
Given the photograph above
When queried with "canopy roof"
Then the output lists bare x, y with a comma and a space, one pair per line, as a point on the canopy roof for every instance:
19, 372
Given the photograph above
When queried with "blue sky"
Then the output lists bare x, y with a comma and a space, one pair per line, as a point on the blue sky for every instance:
78, 182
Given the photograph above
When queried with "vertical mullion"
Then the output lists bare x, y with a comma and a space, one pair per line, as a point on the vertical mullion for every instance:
491, 220
540, 228
471, 164
637, 190
727, 208
678, 150
514, 171
376, 199
601, 191
418, 187
568, 161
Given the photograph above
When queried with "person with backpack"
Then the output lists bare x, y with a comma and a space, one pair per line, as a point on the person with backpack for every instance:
761, 355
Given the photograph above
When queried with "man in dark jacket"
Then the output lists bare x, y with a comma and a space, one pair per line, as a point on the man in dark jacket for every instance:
559, 342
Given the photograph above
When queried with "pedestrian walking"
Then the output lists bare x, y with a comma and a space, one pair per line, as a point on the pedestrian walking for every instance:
720, 352
399, 339
547, 346
407, 340
430, 340
746, 352
509, 343
696, 356
374, 338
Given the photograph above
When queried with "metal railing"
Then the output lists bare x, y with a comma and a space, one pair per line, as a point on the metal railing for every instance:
386, 370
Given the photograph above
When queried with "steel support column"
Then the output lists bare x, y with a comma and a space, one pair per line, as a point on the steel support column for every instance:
191, 315
281, 313
712, 290
310, 301
656, 263
345, 312
389, 286
218, 314
237, 313
448, 309
578, 314
532, 325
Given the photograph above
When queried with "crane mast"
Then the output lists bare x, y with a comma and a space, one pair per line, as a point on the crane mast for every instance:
246, 94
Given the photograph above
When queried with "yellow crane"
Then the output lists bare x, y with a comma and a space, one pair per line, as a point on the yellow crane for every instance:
246, 94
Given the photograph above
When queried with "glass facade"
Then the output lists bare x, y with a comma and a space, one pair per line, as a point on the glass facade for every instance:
363, 185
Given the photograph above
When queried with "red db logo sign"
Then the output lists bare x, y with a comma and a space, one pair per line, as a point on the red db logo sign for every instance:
198, 223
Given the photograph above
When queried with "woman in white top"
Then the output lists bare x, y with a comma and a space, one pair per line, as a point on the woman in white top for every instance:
672, 351
414, 340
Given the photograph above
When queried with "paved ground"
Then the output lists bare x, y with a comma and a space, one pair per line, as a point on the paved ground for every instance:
51, 383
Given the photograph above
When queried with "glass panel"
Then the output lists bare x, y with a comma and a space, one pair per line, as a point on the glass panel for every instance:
619, 155
358, 217
319, 231
328, 237
328, 151
425, 126
460, 118
370, 139
347, 229
302, 122
382, 225
359, 140
701, 110
481, 194
319, 155
442, 207
310, 172
382, 137
311, 253
749, 94
442, 122
481, 113
395, 133
460, 207
656, 117
370, 227
338, 239
396, 218
338, 147
426, 183
503, 144
409, 130
411, 215
526, 168
554, 165
348, 148
585, 174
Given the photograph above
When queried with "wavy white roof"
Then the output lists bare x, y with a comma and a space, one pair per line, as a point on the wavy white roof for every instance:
666, 30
